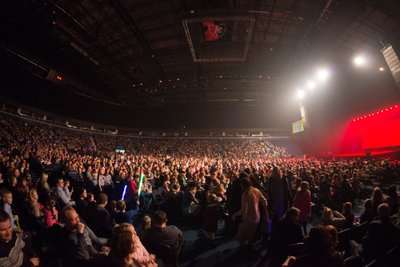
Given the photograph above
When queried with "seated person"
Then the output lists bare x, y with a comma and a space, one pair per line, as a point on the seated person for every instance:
287, 230
382, 235
121, 216
50, 213
81, 202
98, 217
190, 204
348, 214
368, 214
126, 250
321, 249
163, 234
13, 250
62, 194
333, 217
79, 242
145, 225
7, 199
145, 194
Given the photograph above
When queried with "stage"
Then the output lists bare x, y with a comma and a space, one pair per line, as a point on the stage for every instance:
392, 154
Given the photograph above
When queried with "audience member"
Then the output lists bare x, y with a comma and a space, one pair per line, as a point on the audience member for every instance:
348, 214
13, 249
121, 216
279, 193
321, 249
197, 169
377, 198
7, 199
98, 217
63, 197
368, 213
252, 199
145, 225
79, 242
162, 233
127, 250
211, 215
287, 230
393, 200
302, 201
50, 213
333, 217
382, 235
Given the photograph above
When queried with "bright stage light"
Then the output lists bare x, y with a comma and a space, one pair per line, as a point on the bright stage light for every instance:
322, 74
381, 69
300, 94
359, 61
310, 85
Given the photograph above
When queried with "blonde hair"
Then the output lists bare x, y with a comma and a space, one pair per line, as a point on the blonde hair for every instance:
33, 201
43, 181
327, 214
146, 223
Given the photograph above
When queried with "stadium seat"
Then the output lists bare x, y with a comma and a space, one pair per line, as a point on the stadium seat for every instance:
354, 261
168, 255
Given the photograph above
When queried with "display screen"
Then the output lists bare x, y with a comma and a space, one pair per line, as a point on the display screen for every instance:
297, 126
120, 149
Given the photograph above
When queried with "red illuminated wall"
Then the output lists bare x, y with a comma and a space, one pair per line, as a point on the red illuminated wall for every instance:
376, 131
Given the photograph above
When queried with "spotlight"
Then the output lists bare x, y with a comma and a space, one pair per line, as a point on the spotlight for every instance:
381, 69
310, 85
359, 61
322, 74
300, 94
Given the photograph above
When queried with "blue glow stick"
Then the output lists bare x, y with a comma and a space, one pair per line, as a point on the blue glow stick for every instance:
124, 192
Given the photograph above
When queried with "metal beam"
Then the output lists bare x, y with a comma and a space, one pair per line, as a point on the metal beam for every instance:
135, 30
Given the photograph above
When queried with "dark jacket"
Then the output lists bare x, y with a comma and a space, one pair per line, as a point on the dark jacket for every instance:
99, 220
169, 235
379, 239
285, 233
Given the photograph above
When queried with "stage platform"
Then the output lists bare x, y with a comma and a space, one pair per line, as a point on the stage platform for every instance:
392, 154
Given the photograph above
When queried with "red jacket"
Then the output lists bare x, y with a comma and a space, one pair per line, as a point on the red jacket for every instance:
302, 201
133, 187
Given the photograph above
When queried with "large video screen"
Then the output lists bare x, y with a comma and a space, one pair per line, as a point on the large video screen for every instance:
297, 126
120, 149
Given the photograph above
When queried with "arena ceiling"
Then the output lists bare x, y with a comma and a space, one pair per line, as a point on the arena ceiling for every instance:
152, 53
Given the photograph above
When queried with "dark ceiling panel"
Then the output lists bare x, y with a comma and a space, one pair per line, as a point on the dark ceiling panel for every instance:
138, 54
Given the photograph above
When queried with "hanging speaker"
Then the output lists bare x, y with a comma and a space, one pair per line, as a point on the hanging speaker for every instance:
392, 60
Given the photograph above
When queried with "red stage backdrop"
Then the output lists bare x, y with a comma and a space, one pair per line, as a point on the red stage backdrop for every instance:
377, 131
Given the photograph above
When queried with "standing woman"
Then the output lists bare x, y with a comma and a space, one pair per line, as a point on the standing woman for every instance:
251, 201
302, 201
